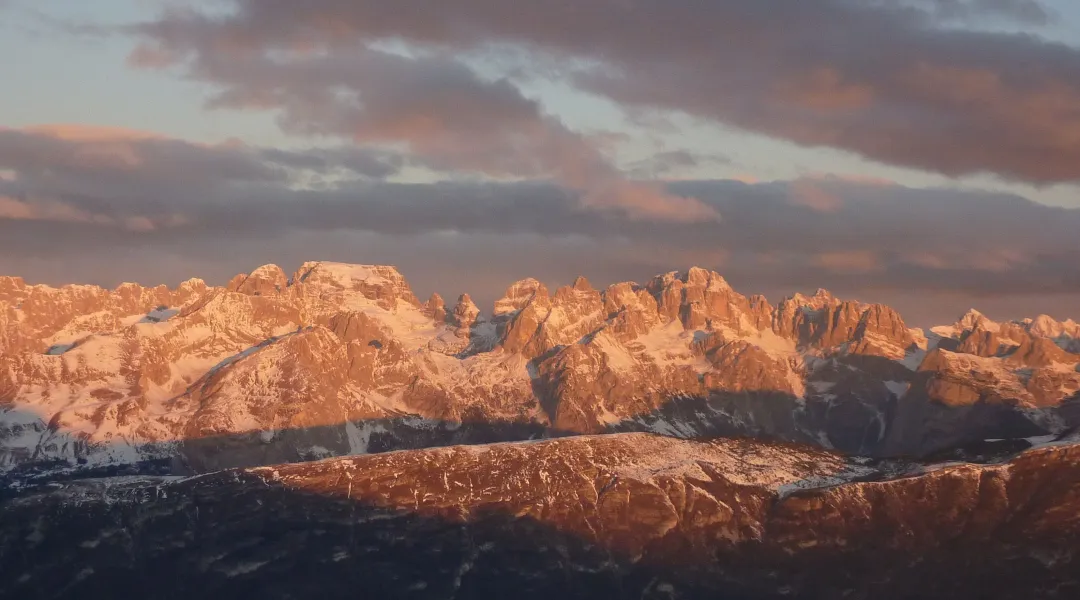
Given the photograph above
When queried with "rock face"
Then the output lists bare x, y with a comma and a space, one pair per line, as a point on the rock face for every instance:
615, 516
344, 359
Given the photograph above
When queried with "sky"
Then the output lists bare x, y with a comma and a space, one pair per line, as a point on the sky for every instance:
921, 153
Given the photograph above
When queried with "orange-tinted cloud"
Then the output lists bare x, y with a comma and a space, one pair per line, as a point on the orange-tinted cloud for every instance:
11, 208
64, 212
852, 261
823, 89
75, 132
812, 194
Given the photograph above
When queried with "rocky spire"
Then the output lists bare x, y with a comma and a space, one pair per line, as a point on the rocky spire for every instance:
582, 285
465, 313
435, 308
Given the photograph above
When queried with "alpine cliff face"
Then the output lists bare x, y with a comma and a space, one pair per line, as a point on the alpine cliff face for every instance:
344, 359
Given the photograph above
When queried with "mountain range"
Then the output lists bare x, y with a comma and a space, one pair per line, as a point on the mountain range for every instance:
665, 440
344, 359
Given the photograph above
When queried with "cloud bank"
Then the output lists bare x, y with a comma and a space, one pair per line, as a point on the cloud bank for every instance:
121, 206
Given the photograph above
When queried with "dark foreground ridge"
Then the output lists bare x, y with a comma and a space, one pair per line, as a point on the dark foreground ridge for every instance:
616, 516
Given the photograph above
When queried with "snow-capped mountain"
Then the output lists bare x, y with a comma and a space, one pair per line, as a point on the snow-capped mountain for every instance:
344, 359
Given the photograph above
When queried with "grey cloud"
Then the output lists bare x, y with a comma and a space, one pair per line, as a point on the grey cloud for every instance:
881, 79
365, 163
1024, 11
667, 162
113, 175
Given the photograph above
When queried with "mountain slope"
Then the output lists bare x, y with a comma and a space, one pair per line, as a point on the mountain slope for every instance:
615, 516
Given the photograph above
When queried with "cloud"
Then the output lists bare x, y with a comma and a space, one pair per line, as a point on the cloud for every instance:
437, 109
890, 80
671, 162
109, 172
807, 192
1022, 11
220, 209
18, 210
13, 209
858, 261
79, 132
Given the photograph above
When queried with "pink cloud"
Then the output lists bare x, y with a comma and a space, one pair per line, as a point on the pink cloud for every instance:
75, 132
811, 194
824, 89
18, 210
854, 261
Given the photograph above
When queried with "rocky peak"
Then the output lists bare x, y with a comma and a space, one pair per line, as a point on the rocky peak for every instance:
267, 280
435, 308
821, 321
534, 323
382, 284
801, 318
573, 294
1065, 333
524, 333
821, 299
668, 291
972, 319
701, 299
582, 285
190, 288
465, 312
574, 312
632, 308
711, 280
881, 332
761, 312
520, 294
